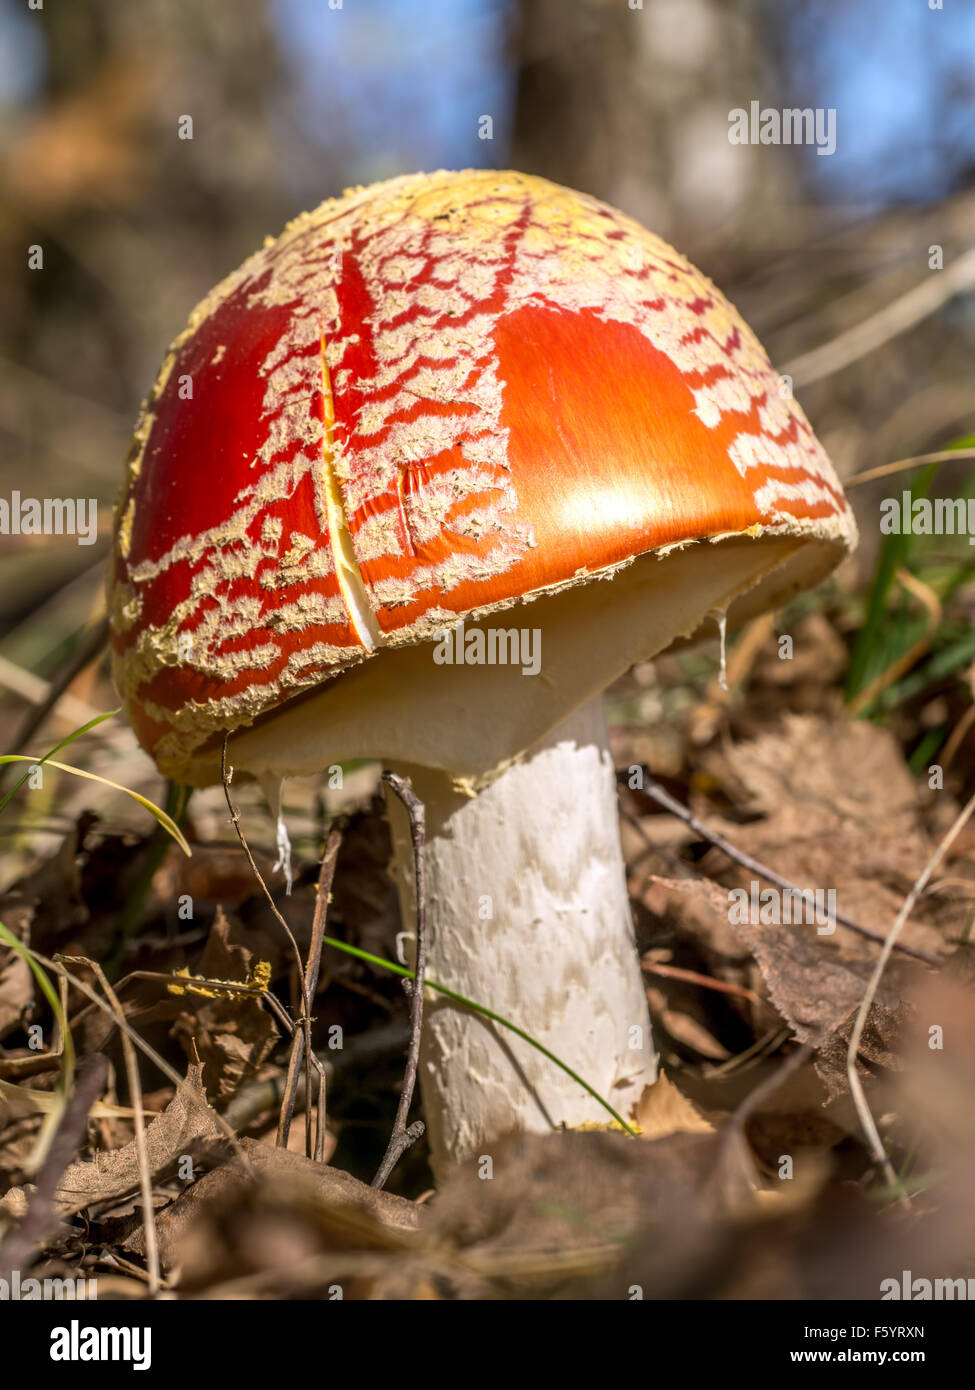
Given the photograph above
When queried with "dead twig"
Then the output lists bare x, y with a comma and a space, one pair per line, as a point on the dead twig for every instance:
313, 969
957, 737
139, 1122
402, 1137
693, 977
191, 984
884, 470
889, 322
768, 1087
744, 1061
856, 1089
226, 774
735, 1155
301, 1049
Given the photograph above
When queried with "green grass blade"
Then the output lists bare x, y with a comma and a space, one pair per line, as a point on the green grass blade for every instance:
873, 646
485, 1012
165, 820
98, 719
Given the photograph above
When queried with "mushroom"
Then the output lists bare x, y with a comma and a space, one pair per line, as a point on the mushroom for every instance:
416, 484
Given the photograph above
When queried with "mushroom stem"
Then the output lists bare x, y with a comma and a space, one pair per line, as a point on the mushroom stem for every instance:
527, 913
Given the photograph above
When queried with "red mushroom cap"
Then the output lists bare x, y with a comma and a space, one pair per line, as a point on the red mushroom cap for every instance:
424, 400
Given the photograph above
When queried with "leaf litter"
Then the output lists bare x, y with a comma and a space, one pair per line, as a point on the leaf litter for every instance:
753, 1020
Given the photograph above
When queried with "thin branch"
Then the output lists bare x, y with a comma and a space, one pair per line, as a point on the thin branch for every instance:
669, 803
290, 1091
884, 470
762, 1047
226, 774
201, 982
856, 1089
139, 1122
402, 1137
319, 1154
694, 977
301, 1048
312, 971
733, 1146
889, 322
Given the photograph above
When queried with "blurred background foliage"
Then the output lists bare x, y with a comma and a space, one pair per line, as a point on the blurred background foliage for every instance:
294, 100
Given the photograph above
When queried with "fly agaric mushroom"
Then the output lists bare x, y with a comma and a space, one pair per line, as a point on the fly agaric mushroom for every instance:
425, 404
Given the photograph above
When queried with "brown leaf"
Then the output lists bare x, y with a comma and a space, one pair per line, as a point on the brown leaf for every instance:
287, 1208
663, 1109
883, 1035
185, 1125
813, 987
838, 809
815, 770
232, 1036
812, 984
564, 1209
692, 915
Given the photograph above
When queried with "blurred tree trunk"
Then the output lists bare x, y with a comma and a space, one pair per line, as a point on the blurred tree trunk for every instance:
632, 104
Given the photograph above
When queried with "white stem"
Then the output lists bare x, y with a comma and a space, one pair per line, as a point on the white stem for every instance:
527, 913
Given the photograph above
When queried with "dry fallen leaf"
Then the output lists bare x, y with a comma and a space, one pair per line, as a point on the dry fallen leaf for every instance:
224, 1225
883, 1035
231, 1035
836, 808
812, 983
663, 1109
187, 1123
